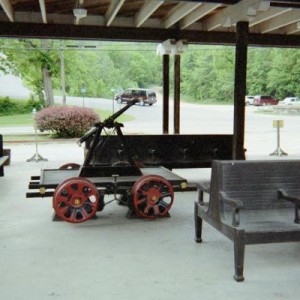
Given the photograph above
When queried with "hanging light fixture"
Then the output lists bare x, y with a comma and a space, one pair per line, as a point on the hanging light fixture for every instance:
78, 11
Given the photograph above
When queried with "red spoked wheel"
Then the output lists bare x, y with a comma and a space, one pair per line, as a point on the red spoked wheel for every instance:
76, 200
153, 196
70, 166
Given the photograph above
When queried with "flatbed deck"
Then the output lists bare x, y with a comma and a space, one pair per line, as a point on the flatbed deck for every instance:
51, 178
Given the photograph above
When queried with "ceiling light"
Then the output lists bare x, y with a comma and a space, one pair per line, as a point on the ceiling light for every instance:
264, 5
80, 12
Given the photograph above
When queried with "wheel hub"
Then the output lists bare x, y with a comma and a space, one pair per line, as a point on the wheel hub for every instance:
153, 197
77, 202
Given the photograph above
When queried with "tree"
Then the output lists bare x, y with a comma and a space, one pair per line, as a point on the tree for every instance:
259, 65
223, 64
34, 62
284, 77
207, 72
207, 75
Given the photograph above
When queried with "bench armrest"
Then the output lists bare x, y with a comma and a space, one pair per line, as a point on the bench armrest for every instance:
282, 194
202, 187
235, 204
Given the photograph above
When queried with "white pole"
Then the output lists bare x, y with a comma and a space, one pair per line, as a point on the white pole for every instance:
36, 156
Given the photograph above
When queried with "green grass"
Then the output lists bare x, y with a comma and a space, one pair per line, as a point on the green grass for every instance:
26, 119
16, 120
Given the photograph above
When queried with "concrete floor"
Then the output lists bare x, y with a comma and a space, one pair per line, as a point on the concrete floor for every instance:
112, 257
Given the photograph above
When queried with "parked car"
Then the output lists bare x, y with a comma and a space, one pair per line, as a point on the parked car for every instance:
249, 100
264, 100
290, 101
145, 96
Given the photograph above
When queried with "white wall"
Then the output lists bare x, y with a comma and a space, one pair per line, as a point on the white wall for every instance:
13, 87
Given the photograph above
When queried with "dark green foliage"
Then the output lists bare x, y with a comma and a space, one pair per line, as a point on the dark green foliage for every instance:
207, 72
27, 58
12, 107
9, 107
111, 69
273, 71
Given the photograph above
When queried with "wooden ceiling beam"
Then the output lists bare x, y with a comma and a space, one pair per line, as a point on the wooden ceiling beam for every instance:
272, 12
283, 20
8, 9
65, 31
231, 15
112, 11
43, 10
293, 28
197, 14
179, 12
84, 32
146, 11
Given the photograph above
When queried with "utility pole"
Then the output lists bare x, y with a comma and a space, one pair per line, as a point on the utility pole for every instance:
62, 73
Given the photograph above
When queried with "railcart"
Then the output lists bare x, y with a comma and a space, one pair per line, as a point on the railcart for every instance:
78, 191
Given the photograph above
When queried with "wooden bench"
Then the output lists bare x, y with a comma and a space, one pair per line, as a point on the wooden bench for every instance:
3, 158
252, 202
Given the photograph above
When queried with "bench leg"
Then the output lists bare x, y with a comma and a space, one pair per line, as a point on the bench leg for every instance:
201, 197
198, 225
239, 254
297, 214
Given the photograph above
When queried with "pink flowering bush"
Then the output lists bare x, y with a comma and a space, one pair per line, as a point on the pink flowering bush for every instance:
66, 121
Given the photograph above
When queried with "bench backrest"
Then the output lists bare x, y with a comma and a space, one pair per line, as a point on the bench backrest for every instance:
255, 183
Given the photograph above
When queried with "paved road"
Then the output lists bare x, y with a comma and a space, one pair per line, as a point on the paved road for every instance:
260, 136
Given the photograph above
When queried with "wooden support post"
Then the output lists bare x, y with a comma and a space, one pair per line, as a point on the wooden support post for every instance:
166, 93
240, 89
176, 94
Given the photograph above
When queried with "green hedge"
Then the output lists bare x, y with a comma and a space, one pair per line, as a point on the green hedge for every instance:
10, 106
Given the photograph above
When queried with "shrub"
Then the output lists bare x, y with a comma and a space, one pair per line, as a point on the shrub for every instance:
33, 104
7, 106
66, 121
13, 107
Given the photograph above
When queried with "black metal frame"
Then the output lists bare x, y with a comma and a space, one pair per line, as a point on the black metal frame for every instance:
90, 168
